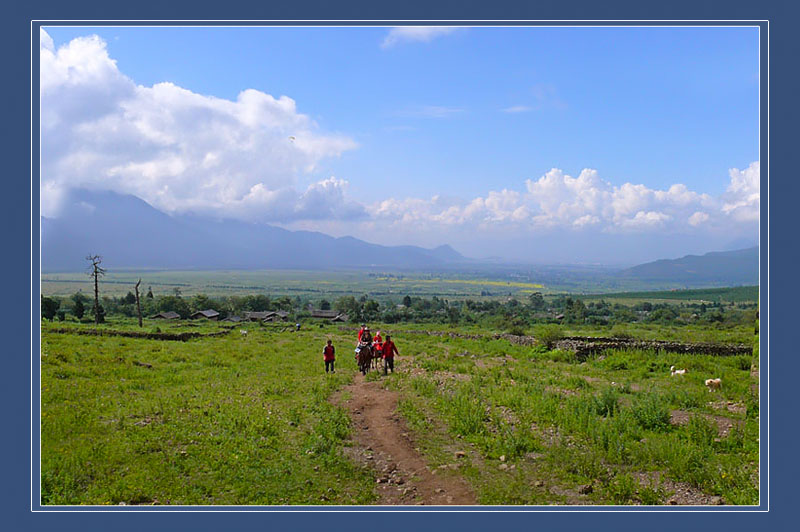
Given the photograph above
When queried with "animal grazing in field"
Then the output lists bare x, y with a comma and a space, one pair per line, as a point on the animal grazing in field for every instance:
673, 371
244, 333
714, 384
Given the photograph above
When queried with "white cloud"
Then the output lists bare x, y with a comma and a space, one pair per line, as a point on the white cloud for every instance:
743, 195
559, 201
698, 218
176, 149
182, 151
405, 34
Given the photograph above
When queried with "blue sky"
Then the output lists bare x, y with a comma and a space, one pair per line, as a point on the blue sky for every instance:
404, 118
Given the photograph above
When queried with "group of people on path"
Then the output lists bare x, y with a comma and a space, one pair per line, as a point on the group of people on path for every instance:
386, 349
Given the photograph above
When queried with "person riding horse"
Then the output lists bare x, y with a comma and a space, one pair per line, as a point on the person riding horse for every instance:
364, 349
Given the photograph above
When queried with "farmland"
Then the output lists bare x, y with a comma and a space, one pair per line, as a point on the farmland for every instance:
236, 419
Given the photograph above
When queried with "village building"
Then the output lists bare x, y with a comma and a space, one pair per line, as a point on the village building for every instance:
170, 315
258, 315
208, 314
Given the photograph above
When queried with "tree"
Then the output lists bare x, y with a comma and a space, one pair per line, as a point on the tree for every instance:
536, 301
129, 298
149, 292
95, 271
138, 305
174, 304
407, 301
49, 307
78, 308
324, 305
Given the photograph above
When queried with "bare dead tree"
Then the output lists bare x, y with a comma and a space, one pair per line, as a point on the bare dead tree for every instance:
95, 271
138, 306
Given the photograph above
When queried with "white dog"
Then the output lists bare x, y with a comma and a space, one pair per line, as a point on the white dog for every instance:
714, 384
673, 371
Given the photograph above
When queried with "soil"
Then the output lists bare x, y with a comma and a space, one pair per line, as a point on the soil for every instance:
383, 442
724, 424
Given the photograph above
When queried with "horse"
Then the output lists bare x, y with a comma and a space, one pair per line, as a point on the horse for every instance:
364, 358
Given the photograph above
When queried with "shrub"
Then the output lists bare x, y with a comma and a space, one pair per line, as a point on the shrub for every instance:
653, 495
548, 335
622, 489
606, 403
516, 330
744, 363
701, 431
651, 413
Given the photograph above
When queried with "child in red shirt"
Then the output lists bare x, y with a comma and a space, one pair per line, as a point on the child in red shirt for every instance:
329, 356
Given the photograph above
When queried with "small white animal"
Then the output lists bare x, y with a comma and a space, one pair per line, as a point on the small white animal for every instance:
673, 371
244, 333
714, 384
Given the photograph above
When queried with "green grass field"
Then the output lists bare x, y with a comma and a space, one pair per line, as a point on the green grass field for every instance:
233, 420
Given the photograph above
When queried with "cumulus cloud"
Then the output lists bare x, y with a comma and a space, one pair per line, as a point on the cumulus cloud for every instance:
698, 218
176, 149
743, 196
406, 34
557, 201
186, 152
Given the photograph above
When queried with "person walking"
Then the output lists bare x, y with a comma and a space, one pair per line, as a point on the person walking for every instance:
329, 356
389, 351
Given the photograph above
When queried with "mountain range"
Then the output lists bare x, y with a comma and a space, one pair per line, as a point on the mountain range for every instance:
130, 233
738, 267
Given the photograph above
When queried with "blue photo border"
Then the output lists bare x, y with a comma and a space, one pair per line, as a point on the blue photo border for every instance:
775, 19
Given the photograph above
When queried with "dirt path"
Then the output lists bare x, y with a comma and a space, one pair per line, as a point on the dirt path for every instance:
382, 441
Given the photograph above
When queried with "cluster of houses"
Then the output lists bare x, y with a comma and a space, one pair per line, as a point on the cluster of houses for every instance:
263, 316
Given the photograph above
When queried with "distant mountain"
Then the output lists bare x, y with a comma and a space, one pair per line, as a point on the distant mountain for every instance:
129, 233
728, 268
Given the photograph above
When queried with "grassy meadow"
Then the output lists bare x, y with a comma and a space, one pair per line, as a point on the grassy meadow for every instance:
247, 420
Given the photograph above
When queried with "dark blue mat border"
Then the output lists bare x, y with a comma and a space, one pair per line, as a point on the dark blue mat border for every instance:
32, 194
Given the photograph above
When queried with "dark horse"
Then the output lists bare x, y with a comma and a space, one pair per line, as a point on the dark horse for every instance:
364, 358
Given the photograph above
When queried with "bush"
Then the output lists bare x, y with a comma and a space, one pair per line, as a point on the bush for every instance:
622, 489
744, 363
651, 413
516, 330
606, 403
701, 431
548, 335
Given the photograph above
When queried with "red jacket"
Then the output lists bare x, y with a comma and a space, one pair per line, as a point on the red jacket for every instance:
360, 332
328, 353
389, 349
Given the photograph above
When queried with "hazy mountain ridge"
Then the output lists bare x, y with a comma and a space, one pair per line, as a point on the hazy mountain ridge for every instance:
130, 233
727, 267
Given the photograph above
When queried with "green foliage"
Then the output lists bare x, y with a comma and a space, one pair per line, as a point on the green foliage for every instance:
49, 307
653, 495
548, 335
650, 412
621, 332
622, 489
701, 431
606, 403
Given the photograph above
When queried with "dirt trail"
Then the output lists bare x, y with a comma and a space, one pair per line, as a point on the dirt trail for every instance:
382, 441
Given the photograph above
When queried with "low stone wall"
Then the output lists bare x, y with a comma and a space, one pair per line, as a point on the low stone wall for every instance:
584, 346
181, 337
